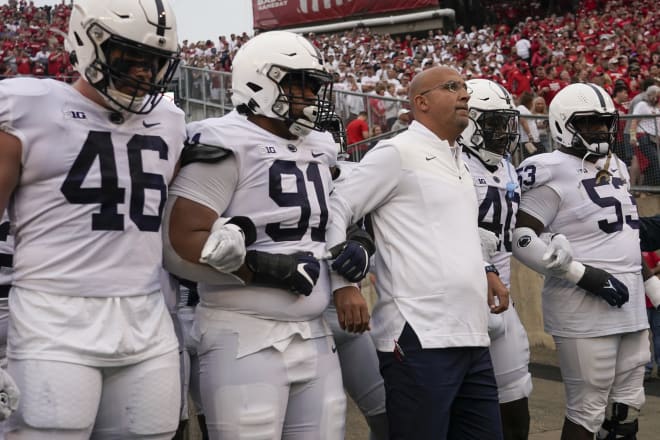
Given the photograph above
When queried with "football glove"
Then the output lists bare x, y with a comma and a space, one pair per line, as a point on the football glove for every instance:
352, 256
224, 249
297, 273
9, 395
604, 285
489, 243
652, 289
558, 255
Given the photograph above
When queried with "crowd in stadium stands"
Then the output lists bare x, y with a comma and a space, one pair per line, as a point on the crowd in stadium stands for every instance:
614, 43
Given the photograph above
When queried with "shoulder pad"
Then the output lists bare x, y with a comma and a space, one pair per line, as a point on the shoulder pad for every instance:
193, 151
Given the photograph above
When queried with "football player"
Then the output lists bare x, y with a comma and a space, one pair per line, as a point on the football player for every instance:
251, 205
593, 297
90, 342
488, 140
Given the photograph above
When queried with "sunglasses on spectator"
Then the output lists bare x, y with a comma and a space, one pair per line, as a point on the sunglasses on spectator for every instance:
450, 86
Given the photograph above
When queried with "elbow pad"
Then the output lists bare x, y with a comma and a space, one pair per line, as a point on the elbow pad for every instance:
529, 249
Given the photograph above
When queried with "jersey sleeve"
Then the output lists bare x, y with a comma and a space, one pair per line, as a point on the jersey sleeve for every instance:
537, 171
209, 184
17, 103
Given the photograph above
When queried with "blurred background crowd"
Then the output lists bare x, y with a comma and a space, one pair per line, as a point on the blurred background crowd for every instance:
532, 48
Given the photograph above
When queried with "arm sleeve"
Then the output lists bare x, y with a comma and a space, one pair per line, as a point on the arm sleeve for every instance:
211, 185
367, 187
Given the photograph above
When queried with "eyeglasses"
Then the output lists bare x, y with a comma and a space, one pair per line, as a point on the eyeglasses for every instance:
450, 86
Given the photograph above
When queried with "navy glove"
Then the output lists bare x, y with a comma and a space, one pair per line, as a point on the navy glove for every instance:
297, 272
605, 285
352, 256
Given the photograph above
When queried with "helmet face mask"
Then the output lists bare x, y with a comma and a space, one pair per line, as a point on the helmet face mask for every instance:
126, 49
493, 129
499, 130
281, 75
583, 118
335, 126
592, 129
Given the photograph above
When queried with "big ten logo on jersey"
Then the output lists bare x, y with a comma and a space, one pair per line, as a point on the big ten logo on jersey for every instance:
268, 149
96, 173
74, 114
612, 195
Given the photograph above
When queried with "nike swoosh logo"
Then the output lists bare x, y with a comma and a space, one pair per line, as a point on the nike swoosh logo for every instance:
430, 157
317, 154
147, 125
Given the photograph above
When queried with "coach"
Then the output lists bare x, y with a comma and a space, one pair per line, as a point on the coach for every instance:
430, 323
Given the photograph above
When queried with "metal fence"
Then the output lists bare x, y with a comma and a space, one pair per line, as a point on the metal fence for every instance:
205, 93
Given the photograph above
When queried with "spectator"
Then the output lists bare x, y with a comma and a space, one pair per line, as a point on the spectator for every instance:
357, 131
529, 140
645, 135
403, 120
432, 289
540, 109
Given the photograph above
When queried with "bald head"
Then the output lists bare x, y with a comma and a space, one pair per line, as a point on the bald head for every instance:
427, 79
438, 98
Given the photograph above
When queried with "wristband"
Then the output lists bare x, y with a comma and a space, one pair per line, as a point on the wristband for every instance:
492, 269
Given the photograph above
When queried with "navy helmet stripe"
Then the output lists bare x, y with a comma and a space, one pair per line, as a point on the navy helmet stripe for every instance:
162, 24
601, 99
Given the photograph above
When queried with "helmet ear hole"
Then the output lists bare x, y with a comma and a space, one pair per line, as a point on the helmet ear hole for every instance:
73, 58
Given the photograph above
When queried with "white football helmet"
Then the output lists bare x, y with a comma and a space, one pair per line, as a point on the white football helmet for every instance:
578, 104
265, 67
139, 33
493, 128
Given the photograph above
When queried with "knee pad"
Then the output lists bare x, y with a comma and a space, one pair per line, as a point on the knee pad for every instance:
620, 423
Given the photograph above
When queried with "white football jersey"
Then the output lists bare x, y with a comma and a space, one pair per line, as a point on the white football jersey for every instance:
497, 206
283, 187
599, 217
87, 210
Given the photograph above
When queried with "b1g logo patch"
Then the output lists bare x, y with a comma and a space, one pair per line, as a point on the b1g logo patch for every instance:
524, 241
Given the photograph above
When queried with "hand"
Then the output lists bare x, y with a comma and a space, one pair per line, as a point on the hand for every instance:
297, 273
497, 289
489, 243
352, 262
9, 395
530, 147
558, 255
224, 249
352, 310
652, 289
304, 278
601, 283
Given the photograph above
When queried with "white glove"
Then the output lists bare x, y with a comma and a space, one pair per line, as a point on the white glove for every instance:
558, 255
530, 147
224, 249
9, 395
489, 243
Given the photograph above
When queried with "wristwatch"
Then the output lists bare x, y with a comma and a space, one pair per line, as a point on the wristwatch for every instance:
493, 269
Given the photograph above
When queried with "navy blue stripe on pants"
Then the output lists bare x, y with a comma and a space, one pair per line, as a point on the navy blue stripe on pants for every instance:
437, 394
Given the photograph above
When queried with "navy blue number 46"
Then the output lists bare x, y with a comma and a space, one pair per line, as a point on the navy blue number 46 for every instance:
110, 194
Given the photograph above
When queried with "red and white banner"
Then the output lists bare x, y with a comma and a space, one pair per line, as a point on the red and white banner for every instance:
275, 14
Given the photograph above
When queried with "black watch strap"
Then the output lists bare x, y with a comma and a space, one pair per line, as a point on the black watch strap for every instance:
493, 269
